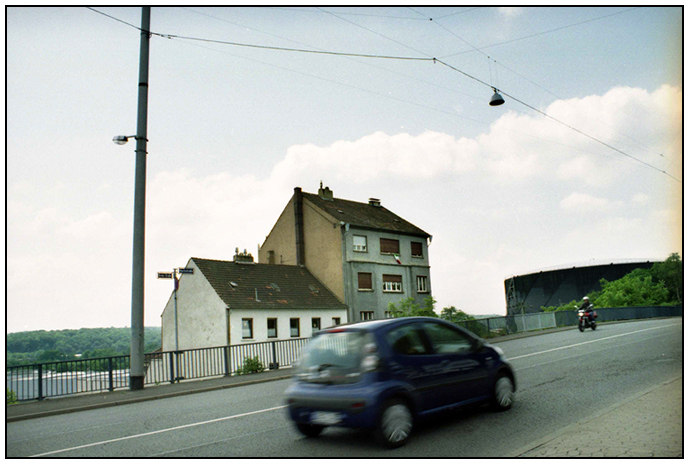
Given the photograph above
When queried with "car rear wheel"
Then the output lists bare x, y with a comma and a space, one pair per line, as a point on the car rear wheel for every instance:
310, 431
395, 425
504, 393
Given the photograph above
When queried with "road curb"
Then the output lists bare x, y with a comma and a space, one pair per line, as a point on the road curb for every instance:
572, 429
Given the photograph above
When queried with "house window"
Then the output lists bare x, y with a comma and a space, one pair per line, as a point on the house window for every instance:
422, 284
360, 243
392, 283
388, 314
336, 321
315, 324
390, 246
247, 328
364, 281
416, 249
364, 316
272, 326
294, 327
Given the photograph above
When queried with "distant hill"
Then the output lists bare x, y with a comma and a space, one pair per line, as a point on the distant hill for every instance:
67, 344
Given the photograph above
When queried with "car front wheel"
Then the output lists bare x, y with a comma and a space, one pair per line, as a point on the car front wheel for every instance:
504, 393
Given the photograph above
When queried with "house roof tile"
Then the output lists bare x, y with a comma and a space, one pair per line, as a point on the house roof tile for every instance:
270, 287
365, 215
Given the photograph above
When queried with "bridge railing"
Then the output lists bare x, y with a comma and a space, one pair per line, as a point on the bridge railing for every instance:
41, 380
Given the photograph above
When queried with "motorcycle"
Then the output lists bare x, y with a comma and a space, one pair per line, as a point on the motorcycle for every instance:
584, 322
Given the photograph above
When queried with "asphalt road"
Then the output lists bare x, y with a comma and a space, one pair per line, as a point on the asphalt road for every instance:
563, 378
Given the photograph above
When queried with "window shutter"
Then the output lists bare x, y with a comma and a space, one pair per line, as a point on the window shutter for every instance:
392, 278
390, 246
364, 280
416, 249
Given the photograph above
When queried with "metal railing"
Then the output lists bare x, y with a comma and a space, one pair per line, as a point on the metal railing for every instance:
41, 380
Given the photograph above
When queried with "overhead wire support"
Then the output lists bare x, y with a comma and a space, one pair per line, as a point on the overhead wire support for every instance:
287, 49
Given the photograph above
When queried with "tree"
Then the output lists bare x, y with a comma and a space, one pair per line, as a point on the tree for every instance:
408, 307
455, 315
670, 272
632, 290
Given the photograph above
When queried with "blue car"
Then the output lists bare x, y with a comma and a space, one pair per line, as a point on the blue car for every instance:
385, 375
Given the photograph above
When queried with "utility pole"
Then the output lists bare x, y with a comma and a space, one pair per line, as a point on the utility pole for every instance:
136, 373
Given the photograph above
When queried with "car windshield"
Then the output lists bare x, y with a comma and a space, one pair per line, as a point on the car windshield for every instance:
333, 358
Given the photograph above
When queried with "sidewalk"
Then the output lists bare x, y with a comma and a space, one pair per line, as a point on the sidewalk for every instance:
77, 403
647, 425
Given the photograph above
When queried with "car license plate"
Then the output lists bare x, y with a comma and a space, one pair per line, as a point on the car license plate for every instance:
326, 418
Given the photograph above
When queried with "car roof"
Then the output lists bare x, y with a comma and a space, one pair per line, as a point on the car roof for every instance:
374, 325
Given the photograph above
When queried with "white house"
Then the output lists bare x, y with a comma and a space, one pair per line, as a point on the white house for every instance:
240, 301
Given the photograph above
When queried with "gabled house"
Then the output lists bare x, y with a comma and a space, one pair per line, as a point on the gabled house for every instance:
365, 254
240, 301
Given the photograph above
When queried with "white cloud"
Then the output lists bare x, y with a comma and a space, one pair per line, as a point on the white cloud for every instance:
585, 203
380, 155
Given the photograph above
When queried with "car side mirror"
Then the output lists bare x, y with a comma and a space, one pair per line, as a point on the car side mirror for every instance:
478, 345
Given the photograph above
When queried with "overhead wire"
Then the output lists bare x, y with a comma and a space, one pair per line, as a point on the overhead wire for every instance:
474, 48
388, 57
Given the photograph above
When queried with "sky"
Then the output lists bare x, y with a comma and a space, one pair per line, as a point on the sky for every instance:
581, 165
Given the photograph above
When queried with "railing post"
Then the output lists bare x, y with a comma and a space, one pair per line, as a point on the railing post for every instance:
111, 387
40, 381
226, 360
274, 365
172, 367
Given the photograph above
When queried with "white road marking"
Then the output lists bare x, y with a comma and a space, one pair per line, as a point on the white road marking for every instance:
159, 431
590, 342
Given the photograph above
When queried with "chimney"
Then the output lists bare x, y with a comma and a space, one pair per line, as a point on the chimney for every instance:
299, 226
374, 202
243, 257
325, 193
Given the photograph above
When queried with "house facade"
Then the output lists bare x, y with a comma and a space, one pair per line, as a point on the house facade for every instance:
365, 254
240, 301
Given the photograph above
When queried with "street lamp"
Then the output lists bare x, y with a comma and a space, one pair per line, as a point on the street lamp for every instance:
136, 363
496, 99
122, 140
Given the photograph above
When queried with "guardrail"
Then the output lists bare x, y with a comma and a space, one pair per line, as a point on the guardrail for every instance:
41, 380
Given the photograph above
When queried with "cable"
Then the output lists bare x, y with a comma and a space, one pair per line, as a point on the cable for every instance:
359, 55
544, 32
286, 49
373, 32
114, 18
527, 79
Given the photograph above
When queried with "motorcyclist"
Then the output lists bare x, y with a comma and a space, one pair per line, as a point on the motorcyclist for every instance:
588, 308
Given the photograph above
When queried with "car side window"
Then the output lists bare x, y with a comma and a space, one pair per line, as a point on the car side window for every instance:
406, 340
446, 340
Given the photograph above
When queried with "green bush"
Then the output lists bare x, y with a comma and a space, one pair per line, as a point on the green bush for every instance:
251, 365
11, 397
